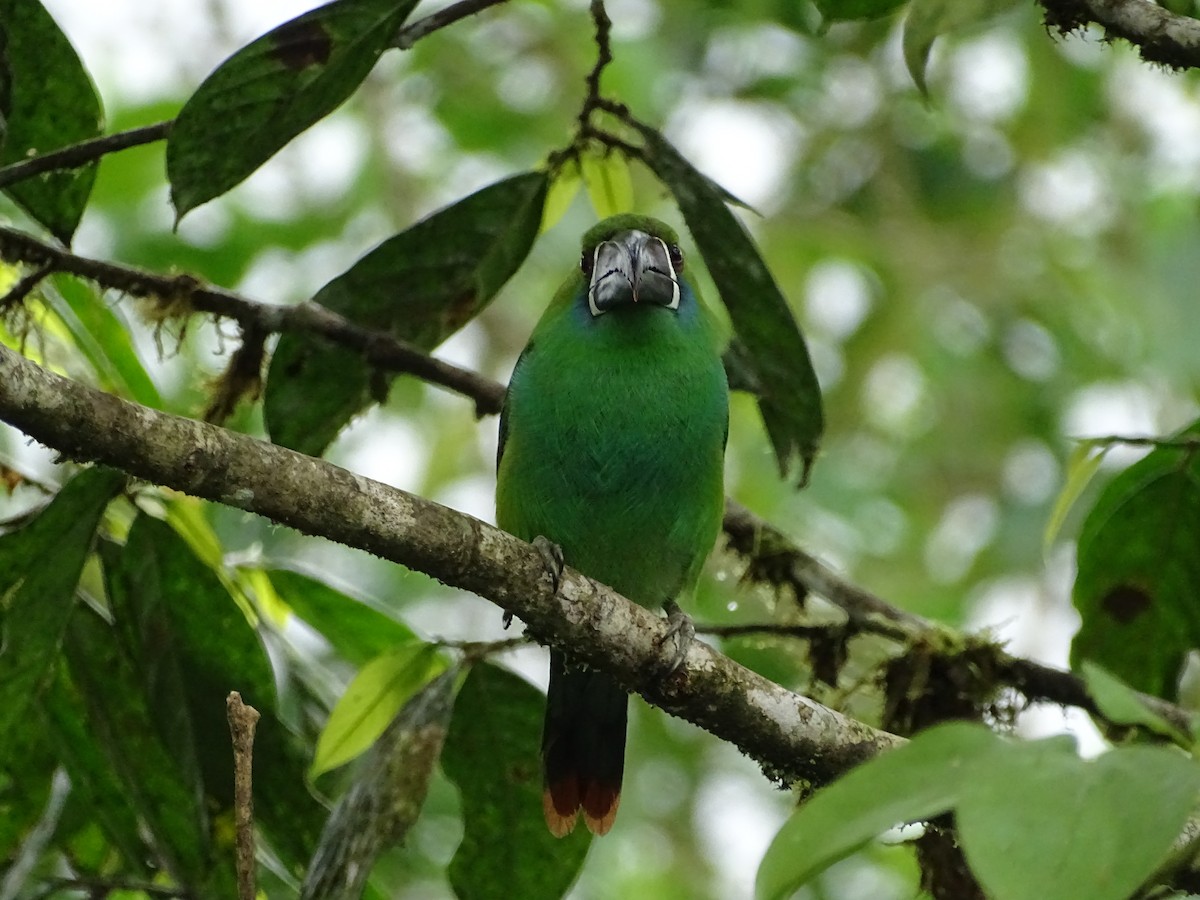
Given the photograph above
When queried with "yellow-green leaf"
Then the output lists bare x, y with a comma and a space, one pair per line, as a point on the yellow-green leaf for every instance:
371, 702
1082, 465
609, 185
561, 194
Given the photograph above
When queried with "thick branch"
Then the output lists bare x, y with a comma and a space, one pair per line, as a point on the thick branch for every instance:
180, 294
1161, 36
793, 737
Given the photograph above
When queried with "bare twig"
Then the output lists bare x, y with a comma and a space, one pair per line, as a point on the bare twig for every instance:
1182, 443
24, 287
84, 152
411, 33
242, 722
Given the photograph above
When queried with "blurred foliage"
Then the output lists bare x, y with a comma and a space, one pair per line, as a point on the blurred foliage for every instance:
984, 273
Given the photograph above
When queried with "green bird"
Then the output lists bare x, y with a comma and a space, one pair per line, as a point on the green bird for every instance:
612, 444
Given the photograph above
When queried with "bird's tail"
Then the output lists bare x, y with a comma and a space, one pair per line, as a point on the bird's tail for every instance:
583, 748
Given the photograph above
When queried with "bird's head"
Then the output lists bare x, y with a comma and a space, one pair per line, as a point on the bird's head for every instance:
630, 259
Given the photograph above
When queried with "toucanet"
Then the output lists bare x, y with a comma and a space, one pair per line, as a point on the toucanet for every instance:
612, 443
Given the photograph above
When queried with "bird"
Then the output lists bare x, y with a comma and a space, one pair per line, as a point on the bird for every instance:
611, 454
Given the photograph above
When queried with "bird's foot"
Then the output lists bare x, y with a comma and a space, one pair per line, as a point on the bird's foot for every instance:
552, 559
682, 631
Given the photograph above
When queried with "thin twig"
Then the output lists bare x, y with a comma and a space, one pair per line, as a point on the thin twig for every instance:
242, 721
1184, 443
84, 152
24, 287
411, 33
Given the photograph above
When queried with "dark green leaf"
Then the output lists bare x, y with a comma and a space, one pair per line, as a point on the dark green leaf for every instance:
421, 285
1138, 568
845, 10
52, 103
39, 569
1038, 821
356, 631
184, 617
920, 780
271, 90
492, 755
386, 797
161, 789
93, 779
790, 401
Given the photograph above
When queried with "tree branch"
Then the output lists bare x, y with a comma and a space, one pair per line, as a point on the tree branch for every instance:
84, 152
178, 295
791, 736
1161, 36
411, 33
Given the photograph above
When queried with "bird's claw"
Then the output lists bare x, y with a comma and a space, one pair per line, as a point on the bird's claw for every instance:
681, 629
552, 559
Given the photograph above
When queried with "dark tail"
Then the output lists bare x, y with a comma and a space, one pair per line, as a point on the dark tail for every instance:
583, 748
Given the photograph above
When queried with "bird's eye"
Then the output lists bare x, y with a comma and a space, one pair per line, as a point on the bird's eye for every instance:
676, 256
586, 262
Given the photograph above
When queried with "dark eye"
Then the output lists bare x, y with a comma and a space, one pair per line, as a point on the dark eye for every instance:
676, 256
586, 262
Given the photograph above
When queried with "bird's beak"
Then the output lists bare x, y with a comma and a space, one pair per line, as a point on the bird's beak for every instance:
632, 267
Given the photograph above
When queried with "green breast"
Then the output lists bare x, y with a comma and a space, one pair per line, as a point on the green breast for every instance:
614, 442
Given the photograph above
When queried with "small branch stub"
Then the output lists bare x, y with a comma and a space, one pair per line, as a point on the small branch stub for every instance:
242, 721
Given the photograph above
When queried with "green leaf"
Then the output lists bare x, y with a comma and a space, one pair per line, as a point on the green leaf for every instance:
847, 10
608, 182
790, 401
52, 103
421, 286
93, 780
920, 780
175, 613
39, 569
928, 19
1138, 568
492, 755
561, 194
1121, 704
371, 701
1038, 821
386, 797
104, 339
272, 90
1082, 465
356, 631
160, 788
